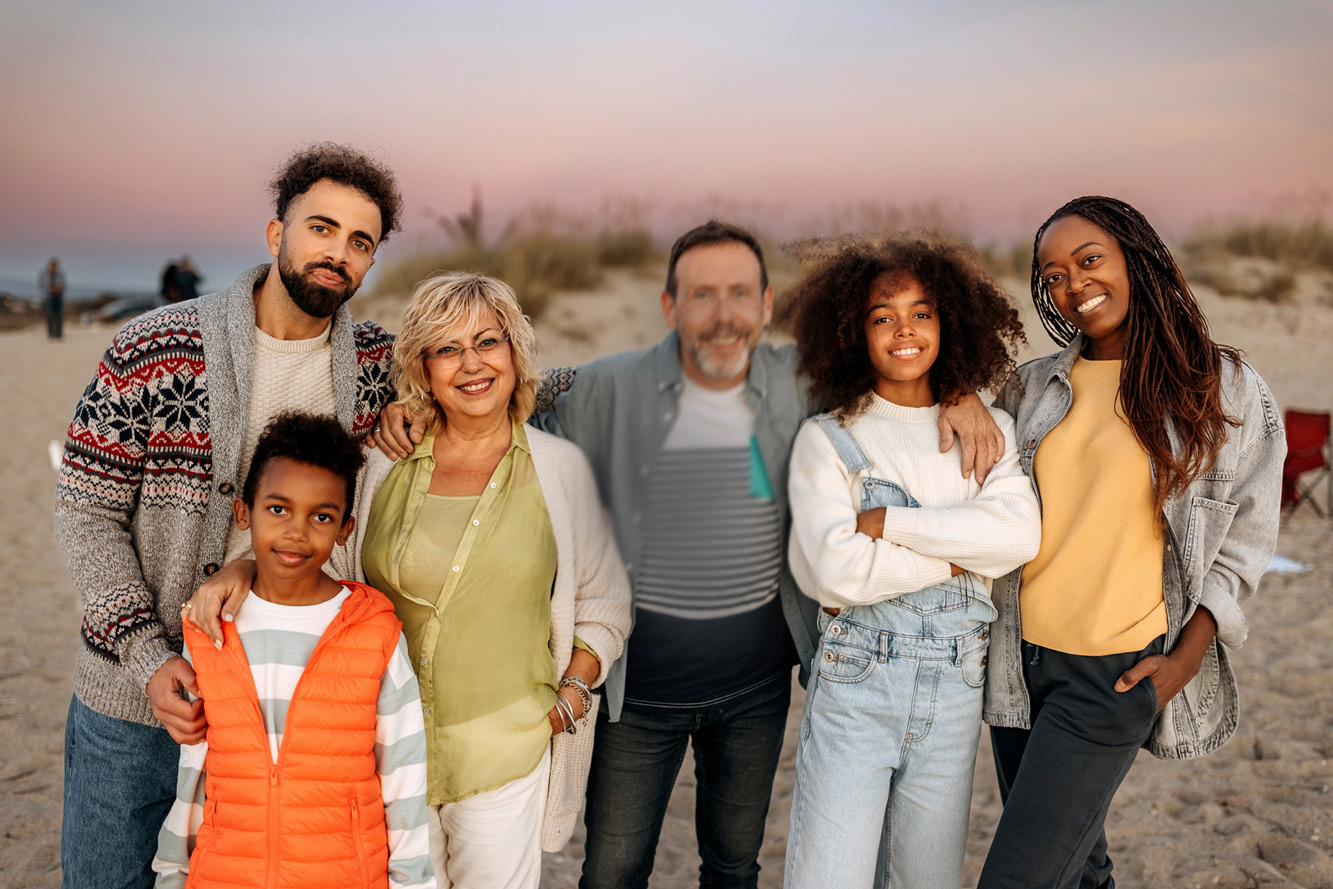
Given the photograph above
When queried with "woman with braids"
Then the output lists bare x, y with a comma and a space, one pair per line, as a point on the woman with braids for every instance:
1157, 455
899, 549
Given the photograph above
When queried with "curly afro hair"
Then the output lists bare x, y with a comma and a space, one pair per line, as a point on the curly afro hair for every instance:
827, 309
317, 440
346, 166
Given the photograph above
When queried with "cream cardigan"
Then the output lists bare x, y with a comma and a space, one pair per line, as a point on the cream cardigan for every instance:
590, 599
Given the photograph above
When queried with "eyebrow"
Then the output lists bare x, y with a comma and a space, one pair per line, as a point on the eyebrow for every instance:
333, 223
284, 499
477, 335
1077, 250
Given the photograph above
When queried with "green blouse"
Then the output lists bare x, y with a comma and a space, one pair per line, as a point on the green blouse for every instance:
470, 578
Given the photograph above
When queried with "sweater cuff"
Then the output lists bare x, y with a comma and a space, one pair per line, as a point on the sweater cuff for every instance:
900, 525
1232, 627
601, 644
144, 653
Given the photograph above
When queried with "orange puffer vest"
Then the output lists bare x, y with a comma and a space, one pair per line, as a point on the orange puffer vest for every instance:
316, 817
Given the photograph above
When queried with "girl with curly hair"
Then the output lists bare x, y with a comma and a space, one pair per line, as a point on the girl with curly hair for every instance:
1158, 457
899, 549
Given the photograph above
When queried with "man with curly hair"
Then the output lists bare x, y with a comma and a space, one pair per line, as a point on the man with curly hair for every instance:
159, 444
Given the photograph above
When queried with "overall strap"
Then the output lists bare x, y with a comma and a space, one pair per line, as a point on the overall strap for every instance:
852, 456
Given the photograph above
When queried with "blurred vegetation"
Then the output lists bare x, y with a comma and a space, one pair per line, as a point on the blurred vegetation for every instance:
1210, 256
537, 254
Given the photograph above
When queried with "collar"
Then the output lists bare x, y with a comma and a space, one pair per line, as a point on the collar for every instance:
518, 441
1064, 361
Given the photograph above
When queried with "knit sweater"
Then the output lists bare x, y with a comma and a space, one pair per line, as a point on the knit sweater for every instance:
984, 529
150, 470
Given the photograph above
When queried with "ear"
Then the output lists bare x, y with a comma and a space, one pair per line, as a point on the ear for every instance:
346, 531
241, 513
669, 309
273, 234
768, 305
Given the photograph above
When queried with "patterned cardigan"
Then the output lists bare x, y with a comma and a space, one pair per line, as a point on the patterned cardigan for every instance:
144, 499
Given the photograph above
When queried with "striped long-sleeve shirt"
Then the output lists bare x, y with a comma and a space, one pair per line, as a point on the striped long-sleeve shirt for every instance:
278, 640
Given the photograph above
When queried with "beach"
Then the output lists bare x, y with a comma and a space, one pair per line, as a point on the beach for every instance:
1258, 812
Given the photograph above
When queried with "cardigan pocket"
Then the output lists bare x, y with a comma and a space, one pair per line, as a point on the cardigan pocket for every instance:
1208, 524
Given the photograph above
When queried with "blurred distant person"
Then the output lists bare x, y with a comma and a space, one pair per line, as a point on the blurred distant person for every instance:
187, 279
170, 290
156, 452
51, 284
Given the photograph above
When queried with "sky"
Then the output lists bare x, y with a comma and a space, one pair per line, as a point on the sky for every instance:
134, 132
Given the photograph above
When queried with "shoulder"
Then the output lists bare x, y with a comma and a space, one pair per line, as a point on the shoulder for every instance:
1003, 419
170, 327
1247, 397
554, 455
610, 368
369, 335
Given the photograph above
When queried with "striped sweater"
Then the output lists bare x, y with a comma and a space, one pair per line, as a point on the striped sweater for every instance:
150, 469
278, 641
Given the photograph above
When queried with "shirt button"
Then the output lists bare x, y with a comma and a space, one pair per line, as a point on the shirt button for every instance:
225, 488
425, 661
985, 633
1032, 442
475, 523
425, 711
455, 567
492, 484
828, 655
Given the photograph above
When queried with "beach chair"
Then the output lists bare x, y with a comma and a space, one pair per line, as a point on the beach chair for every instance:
1307, 451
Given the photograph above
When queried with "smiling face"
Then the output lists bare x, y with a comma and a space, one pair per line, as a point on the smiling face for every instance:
471, 383
298, 516
903, 336
720, 309
325, 246
1085, 272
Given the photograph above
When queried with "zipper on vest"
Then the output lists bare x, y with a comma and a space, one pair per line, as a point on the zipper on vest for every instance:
273, 837
356, 842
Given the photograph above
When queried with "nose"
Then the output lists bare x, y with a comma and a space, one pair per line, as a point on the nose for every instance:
904, 328
335, 250
1076, 280
471, 358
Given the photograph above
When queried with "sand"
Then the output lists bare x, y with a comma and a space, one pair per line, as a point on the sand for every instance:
1258, 812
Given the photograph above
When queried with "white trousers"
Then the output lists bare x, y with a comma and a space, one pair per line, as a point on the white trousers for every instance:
492, 840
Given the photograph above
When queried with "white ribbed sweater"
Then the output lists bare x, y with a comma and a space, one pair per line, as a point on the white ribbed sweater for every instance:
985, 529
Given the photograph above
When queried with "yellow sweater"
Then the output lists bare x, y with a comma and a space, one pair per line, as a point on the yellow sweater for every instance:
1095, 587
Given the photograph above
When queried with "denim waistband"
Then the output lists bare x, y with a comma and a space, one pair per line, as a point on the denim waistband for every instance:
888, 643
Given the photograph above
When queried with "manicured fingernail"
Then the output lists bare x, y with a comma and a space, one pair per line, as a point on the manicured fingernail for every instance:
228, 618
217, 645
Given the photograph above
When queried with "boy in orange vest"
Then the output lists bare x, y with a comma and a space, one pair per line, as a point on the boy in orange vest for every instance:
313, 772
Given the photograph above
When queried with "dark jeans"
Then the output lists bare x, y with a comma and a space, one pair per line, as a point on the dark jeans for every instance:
634, 766
55, 316
120, 780
1057, 780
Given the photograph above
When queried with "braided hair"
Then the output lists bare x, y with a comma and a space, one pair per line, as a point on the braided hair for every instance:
1172, 371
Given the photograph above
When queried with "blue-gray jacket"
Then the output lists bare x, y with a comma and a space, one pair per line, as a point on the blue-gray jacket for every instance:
619, 409
1221, 533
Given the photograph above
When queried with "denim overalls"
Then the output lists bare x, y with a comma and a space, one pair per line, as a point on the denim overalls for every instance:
890, 728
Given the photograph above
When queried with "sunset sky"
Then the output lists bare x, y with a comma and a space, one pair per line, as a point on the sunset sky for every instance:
137, 131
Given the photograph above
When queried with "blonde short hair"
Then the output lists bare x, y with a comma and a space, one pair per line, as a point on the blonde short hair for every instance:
440, 307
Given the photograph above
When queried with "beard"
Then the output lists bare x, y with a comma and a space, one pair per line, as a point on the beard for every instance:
310, 297
723, 368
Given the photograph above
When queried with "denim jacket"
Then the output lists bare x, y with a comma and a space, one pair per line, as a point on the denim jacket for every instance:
1220, 536
619, 409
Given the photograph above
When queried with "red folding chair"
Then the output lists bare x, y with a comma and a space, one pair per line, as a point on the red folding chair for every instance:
1307, 451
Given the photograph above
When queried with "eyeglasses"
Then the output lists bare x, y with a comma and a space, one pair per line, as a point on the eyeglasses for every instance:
451, 354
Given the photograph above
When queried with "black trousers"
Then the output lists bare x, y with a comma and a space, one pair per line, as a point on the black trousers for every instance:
1058, 778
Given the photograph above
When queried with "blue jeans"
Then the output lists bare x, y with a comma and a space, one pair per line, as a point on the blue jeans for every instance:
634, 766
120, 780
887, 749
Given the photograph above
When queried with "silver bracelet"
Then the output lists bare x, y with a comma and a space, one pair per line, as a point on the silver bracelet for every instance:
581, 688
566, 713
